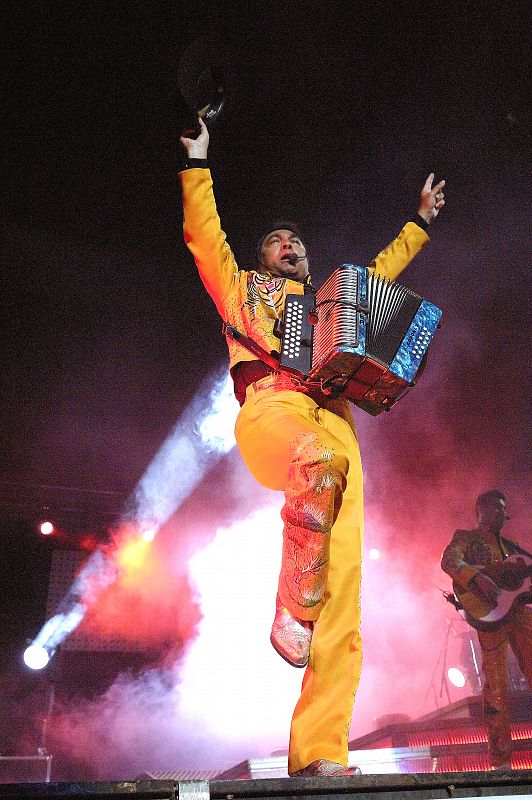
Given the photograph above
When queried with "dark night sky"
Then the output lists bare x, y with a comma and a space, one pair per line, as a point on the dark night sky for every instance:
338, 112
335, 117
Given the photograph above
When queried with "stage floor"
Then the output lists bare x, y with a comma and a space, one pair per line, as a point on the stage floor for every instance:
366, 787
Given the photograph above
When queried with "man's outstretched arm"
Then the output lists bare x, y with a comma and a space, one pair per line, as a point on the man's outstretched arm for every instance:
413, 237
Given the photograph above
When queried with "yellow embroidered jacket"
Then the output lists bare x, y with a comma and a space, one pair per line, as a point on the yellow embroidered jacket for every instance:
251, 301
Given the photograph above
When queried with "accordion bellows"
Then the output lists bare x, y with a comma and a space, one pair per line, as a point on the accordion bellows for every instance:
361, 336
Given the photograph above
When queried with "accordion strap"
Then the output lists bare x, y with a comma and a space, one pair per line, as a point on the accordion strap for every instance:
252, 346
270, 359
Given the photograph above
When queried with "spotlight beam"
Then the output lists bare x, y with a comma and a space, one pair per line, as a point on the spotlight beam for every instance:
200, 438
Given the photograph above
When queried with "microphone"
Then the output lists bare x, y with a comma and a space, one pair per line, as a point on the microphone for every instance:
293, 258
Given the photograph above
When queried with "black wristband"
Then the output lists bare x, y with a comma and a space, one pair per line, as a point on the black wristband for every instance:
191, 163
418, 219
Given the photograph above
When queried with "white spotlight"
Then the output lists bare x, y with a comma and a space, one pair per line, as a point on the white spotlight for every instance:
46, 528
36, 656
456, 677
374, 554
203, 434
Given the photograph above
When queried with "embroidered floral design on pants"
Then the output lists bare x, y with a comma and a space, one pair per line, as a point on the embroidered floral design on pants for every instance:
311, 504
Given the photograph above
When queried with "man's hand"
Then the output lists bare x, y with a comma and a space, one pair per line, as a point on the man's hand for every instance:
197, 148
486, 587
431, 199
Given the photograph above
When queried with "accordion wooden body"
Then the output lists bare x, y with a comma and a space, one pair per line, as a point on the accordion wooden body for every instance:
362, 337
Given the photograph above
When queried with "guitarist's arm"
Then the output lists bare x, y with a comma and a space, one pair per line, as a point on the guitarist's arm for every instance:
465, 574
453, 560
485, 586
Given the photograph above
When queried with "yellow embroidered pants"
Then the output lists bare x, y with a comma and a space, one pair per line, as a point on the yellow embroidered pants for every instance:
289, 442
517, 634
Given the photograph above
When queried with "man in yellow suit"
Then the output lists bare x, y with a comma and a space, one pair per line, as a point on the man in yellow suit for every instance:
305, 444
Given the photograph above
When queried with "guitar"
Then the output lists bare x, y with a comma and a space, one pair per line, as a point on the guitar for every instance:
513, 577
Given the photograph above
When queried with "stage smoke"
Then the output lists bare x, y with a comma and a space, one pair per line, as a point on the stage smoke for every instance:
201, 437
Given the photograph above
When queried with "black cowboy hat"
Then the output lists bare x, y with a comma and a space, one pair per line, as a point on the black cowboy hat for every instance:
203, 84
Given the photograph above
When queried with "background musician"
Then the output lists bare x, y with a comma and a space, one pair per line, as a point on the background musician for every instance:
467, 559
305, 445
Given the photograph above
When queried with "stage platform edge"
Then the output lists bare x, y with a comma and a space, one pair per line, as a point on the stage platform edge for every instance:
504, 784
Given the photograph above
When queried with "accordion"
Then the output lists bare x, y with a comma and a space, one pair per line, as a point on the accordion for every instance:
359, 336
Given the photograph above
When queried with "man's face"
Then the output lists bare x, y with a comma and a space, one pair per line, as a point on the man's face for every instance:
492, 515
276, 250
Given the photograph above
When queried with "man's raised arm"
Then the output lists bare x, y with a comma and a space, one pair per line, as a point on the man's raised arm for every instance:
413, 237
202, 230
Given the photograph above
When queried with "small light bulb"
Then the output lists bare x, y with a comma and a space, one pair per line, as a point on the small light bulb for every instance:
46, 528
36, 656
456, 677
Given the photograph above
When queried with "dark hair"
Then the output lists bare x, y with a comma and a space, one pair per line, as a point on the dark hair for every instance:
277, 225
484, 498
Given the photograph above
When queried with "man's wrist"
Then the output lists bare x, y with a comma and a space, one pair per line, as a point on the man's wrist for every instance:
421, 221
